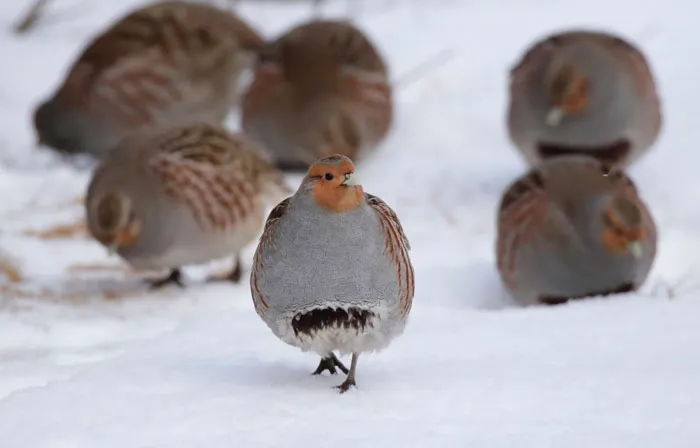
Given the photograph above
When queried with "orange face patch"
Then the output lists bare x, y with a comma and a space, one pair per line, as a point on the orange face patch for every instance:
570, 90
329, 190
127, 236
617, 241
123, 237
617, 237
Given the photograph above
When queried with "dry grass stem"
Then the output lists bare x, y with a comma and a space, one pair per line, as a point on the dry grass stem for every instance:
77, 229
32, 17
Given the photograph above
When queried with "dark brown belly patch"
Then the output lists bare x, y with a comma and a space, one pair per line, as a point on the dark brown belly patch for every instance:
609, 154
319, 319
558, 300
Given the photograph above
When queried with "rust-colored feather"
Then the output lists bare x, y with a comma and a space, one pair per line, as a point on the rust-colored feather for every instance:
272, 219
522, 208
397, 247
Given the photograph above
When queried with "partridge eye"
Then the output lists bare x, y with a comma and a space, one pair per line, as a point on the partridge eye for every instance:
328, 176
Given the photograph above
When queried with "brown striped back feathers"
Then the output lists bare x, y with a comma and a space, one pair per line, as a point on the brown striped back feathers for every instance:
219, 175
168, 197
320, 88
168, 63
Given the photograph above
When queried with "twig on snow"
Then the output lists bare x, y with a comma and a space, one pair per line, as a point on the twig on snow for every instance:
429, 65
31, 18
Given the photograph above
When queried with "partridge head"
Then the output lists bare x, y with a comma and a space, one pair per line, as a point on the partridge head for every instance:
335, 185
583, 92
116, 226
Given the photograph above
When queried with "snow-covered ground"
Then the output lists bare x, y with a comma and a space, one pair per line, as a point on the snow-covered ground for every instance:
88, 358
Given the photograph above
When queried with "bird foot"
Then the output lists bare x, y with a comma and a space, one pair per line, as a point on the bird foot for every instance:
234, 276
330, 363
347, 384
174, 277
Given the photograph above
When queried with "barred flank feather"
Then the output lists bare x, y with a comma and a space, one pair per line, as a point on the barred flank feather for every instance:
521, 212
272, 219
397, 246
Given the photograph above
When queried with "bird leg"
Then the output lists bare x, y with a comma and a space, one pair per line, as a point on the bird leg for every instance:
234, 276
350, 380
175, 276
330, 363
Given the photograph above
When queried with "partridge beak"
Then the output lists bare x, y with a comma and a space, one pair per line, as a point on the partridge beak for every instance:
554, 116
635, 248
351, 180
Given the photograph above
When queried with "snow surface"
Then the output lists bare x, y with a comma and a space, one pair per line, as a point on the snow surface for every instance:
89, 358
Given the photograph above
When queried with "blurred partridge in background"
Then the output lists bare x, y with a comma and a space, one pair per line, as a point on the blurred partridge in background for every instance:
332, 269
583, 92
573, 228
187, 195
169, 63
319, 89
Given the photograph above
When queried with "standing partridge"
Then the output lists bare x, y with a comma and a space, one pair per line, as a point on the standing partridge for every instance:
183, 195
332, 269
319, 89
572, 228
583, 92
169, 63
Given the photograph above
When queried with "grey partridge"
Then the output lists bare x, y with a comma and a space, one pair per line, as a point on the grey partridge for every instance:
572, 228
170, 197
583, 92
332, 270
168, 63
320, 88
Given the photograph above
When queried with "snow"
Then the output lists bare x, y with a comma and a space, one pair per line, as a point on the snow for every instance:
89, 358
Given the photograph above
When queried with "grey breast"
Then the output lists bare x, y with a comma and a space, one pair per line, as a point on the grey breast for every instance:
574, 261
318, 258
